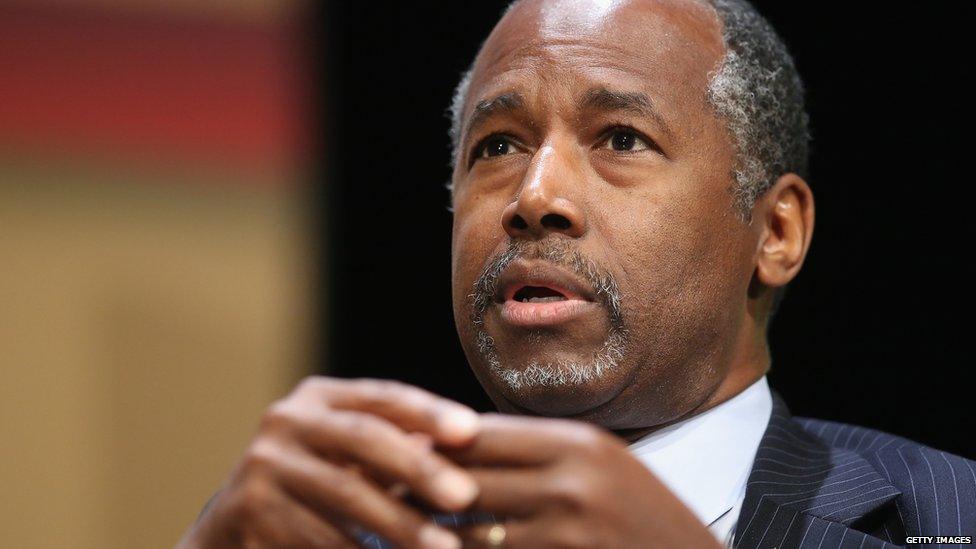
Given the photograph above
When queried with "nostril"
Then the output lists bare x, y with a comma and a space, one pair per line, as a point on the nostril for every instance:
519, 223
556, 221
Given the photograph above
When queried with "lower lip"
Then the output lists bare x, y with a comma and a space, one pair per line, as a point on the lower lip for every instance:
536, 315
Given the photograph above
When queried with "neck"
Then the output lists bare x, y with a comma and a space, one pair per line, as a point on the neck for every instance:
749, 362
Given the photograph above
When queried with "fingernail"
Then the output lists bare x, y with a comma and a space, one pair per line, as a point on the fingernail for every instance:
460, 424
457, 489
433, 537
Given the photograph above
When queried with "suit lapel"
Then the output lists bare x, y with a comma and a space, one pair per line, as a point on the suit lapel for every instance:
803, 493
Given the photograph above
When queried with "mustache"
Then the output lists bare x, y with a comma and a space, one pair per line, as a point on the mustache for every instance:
553, 250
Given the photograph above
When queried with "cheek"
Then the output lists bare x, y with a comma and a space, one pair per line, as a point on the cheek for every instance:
679, 254
476, 235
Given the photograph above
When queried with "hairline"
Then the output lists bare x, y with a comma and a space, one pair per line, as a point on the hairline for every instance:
459, 100
750, 174
750, 178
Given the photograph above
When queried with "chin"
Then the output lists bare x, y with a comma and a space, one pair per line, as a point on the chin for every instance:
558, 401
555, 384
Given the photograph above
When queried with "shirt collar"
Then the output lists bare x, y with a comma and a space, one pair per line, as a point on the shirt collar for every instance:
705, 460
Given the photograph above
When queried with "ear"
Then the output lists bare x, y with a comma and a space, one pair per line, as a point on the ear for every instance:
786, 214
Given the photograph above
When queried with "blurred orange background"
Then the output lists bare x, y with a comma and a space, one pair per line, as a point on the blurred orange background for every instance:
157, 282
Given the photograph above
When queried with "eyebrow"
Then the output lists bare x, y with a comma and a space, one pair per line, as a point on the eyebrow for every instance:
509, 102
633, 102
594, 99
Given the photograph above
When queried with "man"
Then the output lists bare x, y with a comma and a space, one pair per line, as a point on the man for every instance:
629, 204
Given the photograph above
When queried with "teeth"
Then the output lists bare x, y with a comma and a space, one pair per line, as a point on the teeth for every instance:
548, 299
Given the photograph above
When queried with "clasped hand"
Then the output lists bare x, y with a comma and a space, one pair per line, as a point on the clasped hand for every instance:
339, 456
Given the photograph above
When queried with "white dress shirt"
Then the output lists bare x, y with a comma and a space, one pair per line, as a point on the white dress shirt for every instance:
705, 460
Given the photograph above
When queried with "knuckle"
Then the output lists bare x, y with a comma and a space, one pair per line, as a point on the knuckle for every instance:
361, 428
422, 466
569, 491
589, 441
260, 458
589, 436
253, 500
314, 384
403, 393
283, 415
383, 389
342, 485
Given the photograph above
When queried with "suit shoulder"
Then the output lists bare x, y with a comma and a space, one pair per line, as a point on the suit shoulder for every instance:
868, 442
861, 440
937, 487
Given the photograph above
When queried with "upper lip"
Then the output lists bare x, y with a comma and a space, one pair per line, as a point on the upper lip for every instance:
521, 273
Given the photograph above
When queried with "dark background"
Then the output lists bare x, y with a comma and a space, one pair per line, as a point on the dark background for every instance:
876, 329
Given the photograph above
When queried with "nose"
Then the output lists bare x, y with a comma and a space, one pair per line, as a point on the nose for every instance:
543, 206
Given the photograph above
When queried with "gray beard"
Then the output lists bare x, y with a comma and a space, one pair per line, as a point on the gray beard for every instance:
553, 374
557, 373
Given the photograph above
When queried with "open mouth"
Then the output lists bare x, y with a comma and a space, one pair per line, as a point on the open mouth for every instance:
538, 294
532, 306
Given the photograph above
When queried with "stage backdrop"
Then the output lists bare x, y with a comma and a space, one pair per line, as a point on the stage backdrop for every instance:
156, 285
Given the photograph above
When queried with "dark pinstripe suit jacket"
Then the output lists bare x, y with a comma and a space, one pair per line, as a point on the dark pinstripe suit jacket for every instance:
823, 484
819, 484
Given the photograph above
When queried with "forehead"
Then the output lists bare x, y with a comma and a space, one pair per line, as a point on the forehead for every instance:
665, 47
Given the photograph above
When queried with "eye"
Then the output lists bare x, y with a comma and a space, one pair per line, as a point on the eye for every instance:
493, 146
626, 140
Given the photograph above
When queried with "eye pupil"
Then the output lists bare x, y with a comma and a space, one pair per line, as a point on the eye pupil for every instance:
622, 141
497, 147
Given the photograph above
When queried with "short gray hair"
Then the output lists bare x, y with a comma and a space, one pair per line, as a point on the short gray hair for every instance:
756, 90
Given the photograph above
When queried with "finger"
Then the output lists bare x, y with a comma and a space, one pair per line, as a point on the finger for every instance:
410, 408
287, 523
332, 491
519, 441
389, 455
510, 535
422, 442
512, 492
535, 533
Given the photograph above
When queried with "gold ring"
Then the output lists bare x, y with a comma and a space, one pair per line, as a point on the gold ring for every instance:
496, 536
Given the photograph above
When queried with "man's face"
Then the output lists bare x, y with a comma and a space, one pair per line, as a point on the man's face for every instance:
599, 268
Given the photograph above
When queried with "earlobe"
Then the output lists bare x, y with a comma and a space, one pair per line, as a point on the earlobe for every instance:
786, 213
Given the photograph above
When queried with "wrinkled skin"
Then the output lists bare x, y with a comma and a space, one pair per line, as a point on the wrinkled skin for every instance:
644, 197
657, 215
